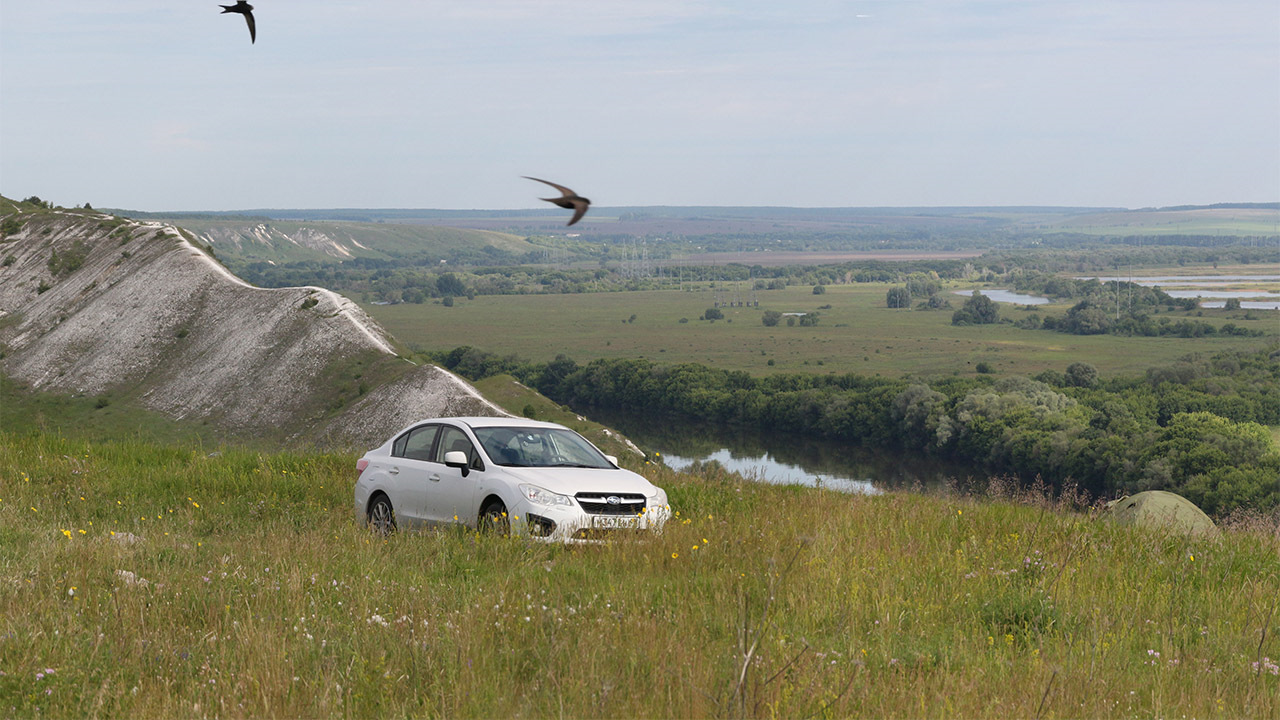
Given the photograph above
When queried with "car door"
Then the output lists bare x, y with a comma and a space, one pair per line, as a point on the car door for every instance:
411, 468
452, 495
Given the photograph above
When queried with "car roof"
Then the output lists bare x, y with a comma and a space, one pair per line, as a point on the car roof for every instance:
478, 422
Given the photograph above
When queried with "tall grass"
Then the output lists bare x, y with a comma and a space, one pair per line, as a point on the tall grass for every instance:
144, 580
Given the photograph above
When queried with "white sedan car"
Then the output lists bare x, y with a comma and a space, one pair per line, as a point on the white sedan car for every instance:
508, 475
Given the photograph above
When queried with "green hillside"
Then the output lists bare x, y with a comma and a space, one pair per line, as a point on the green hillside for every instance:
241, 242
147, 580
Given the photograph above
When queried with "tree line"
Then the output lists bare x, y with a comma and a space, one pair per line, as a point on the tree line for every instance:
1198, 427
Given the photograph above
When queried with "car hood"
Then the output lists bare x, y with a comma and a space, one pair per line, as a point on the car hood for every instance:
571, 481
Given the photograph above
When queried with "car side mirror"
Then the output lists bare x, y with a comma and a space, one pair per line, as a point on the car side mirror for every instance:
612, 458
458, 459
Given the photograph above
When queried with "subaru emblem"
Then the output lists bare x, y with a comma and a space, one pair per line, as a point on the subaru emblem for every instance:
613, 500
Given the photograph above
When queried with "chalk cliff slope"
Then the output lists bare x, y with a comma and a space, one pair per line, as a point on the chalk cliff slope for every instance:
92, 304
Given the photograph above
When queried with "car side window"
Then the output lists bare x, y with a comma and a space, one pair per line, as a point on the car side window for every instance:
419, 442
452, 439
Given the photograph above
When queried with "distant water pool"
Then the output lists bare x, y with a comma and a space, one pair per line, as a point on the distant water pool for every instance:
1008, 296
1213, 289
1149, 280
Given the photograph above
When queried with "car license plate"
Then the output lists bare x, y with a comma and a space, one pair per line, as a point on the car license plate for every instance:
612, 522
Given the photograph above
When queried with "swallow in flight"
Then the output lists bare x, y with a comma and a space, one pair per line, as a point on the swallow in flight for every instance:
569, 200
246, 10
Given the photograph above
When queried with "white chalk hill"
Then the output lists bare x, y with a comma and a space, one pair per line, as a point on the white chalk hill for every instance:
92, 304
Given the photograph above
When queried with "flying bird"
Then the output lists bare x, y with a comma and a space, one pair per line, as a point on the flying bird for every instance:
569, 200
246, 10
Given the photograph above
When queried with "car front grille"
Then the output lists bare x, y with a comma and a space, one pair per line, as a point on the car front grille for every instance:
611, 503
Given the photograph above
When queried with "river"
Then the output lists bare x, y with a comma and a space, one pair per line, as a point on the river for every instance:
782, 459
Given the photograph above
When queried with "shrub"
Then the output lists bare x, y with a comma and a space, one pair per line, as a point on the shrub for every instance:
898, 297
449, 284
977, 310
1081, 374
70, 261
10, 226
935, 302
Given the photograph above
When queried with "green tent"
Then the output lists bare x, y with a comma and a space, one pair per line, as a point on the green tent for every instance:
1161, 510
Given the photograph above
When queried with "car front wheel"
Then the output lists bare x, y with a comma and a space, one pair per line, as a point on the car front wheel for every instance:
493, 519
382, 519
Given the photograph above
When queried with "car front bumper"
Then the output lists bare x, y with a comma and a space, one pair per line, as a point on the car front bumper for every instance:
560, 523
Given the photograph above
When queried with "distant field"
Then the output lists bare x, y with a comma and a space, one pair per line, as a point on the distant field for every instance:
776, 259
856, 334
1203, 221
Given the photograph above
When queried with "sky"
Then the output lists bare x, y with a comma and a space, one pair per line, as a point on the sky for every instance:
165, 105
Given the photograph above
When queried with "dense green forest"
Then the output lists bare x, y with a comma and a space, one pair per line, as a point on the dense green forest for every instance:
1197, 428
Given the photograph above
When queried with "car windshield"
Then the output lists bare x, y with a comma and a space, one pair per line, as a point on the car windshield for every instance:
539, 447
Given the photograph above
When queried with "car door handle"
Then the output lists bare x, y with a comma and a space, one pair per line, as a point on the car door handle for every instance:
394, 471
435, 478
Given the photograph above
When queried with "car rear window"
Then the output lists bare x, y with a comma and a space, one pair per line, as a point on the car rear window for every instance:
416, 444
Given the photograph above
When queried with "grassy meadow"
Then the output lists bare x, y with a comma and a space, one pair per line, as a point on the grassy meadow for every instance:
148, 580
857, 333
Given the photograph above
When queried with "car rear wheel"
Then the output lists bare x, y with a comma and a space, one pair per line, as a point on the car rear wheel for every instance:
493, 519
382, 519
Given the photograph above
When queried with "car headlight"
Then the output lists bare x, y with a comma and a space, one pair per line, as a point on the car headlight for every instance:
658, 499
542, 496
